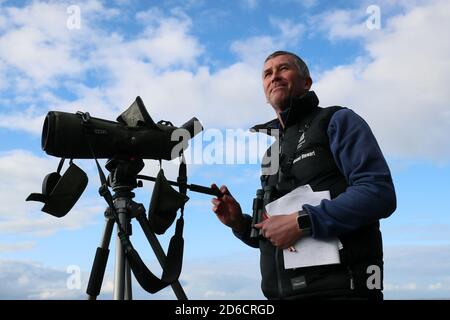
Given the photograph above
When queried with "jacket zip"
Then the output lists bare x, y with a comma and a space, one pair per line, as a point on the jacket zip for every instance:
277, 266
352, 283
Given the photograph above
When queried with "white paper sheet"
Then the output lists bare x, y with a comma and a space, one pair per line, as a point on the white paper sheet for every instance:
309, 251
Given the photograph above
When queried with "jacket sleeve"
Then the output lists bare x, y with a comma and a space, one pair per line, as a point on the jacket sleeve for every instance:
245, 236
370, 194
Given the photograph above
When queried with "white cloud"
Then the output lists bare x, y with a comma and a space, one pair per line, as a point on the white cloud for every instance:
46, 225
2, 20
28, 280
435, 286
168, 42
400, 287
13, 247
25, 280
28, 50
397, 78
408, 275
38, 44
214, 98
309, 3
229, 279
250, 4
342, 24
291, 32
3, 76
29, 120
150, 16
131, 67
255, 49
157, 63
123, 2
22, 173
400, 87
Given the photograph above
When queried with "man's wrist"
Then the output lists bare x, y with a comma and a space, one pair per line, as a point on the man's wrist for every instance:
304, 223
240, 225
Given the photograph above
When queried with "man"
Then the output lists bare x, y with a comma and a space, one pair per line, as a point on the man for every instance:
344, 158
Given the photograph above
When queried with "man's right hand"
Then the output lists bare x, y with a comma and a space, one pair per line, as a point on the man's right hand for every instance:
228, 210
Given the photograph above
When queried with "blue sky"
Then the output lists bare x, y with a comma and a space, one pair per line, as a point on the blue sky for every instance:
203, 58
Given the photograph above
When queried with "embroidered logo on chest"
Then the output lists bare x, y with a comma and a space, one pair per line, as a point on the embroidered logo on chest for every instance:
304, 156
301, 141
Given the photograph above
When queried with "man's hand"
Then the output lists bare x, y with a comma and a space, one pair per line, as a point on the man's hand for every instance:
228, 210
281, 230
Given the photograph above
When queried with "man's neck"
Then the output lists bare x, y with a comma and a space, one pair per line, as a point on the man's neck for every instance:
280, 109
280, 119
284, 106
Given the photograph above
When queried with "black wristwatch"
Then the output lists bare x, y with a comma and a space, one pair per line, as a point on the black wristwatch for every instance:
304, 222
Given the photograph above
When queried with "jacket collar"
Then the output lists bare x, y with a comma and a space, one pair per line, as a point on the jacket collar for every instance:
300, 108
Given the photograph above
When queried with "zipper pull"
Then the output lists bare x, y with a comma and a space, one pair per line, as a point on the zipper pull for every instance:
352, 283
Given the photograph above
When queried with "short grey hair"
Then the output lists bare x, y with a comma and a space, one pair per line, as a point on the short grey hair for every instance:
301, 65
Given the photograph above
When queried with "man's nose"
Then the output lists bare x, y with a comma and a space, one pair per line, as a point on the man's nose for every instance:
276, 75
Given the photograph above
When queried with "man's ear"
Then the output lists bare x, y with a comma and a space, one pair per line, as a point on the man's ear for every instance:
308, 83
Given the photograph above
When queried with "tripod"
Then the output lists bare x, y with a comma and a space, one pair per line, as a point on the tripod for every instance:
123, 179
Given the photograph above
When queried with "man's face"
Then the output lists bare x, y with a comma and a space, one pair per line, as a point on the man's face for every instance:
281, 80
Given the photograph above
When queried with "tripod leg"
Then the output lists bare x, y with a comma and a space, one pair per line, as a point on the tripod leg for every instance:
160, 255
128, 289
100, 260
122, 279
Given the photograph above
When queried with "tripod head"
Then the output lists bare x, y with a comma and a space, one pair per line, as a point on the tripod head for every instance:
123, 175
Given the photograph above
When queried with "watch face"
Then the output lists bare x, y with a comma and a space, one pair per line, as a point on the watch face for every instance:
304, 222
